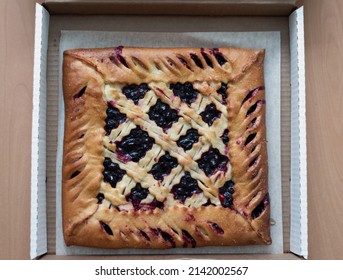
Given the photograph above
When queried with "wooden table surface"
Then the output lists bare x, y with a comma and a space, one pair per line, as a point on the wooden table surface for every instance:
324, 74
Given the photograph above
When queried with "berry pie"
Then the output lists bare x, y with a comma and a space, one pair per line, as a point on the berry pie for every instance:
164, 148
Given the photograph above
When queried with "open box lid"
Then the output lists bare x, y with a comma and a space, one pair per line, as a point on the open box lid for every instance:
298, 235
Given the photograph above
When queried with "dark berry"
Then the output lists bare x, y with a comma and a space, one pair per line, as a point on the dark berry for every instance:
135, 145
207, 59
212, 161
186, 141
225, 194
216, 228
197, 60
100, 197
186, 188
188, 239
210, 114
163, 167
163, 115
185, 91
106, 228
260, 207
223, 91
136, 195
135, 92
225, 137
114, 119
80, 93
112, 172
219, 56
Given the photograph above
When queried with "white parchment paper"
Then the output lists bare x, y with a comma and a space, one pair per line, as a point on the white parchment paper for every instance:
270, 41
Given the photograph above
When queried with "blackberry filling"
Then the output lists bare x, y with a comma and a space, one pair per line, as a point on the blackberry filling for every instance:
208, 203
185, 91
254, 107
163, 167
250, 138
135, 145
163, 115
225, 137
188, 239
106, 228
212, 161
251, 124
186, 188
135, 92
251, 94
219, 56
184, 62
210, 114
114, 119
260, 207
186, 141
75, 173
144, 234
167, 237
215, 227
152, 205
112, 172
197, 60
207, 59
136, 195
223, 91
225, 194
100, 198
117, 55
254, 161
80, 93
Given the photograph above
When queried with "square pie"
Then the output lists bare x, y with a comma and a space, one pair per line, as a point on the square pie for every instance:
164, 148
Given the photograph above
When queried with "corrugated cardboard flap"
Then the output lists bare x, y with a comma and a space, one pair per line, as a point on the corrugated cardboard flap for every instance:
299, 230
38, 237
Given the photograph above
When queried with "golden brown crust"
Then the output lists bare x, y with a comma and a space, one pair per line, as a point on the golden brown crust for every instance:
92, 78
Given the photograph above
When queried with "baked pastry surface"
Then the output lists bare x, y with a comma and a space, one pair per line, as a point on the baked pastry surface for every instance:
164, 148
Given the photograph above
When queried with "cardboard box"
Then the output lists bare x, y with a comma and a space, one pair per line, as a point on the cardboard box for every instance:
238, 15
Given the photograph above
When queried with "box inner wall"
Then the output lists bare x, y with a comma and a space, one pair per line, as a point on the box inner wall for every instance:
167, 24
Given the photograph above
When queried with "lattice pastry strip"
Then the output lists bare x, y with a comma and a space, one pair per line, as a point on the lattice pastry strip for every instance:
143, 121
164, 148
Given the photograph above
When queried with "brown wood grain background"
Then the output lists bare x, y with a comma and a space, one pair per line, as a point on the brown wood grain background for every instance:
324, 97
16, 71
324, 74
